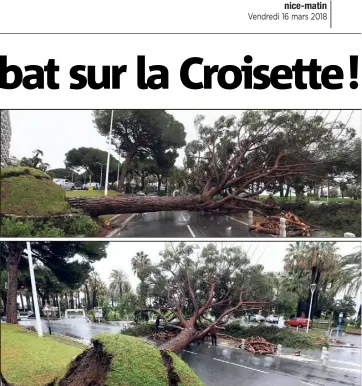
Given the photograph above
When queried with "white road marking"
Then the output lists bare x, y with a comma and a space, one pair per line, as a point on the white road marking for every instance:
190, 352
345, 369
192, 233
307, 383
345, 363
242, 222
236, 364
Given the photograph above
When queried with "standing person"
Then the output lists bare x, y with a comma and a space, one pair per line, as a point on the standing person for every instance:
213, 333
271, 204
157, 323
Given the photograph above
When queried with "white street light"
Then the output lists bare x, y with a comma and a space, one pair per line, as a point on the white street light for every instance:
33, 288
108, 156
312, 289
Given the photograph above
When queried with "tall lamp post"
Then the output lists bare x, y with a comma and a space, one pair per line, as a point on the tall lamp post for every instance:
33, 288
312, 289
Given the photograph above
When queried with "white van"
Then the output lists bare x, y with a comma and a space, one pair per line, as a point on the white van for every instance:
64, 183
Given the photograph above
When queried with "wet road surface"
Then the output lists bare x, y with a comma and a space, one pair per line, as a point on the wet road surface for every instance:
231, 367
185, 224
223, 365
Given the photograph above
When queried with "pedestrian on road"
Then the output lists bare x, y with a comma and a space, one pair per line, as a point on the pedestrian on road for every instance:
157, 323
271, 205
213, 333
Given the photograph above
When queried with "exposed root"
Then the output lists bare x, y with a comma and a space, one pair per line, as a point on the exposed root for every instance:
88, 369
173, 378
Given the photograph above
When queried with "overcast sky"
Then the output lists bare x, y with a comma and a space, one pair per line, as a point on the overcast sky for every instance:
55, 132
269, 254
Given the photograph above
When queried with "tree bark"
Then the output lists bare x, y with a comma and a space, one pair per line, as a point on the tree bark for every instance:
125, 167
179, 342
11, 306
96, 206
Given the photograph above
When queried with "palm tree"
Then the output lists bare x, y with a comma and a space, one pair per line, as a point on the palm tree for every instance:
349, 277
319, 261
141, 265
118, 281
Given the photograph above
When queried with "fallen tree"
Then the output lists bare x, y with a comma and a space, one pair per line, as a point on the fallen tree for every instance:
230, 164
186, 289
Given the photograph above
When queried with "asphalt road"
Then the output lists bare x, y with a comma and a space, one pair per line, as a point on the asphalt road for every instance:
227, 366
232, 367
185, 224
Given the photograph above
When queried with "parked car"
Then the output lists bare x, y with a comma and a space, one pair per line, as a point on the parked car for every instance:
298, 322
257, 318
140, 193
272, 319
78, 185
64, 183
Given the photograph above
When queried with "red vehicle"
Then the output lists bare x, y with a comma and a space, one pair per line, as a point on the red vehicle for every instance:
298, 322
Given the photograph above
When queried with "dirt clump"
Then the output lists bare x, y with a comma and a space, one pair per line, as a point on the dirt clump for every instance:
88, 369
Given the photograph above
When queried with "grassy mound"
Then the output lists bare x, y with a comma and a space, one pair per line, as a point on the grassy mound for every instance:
119, 360
27, 359
30, 192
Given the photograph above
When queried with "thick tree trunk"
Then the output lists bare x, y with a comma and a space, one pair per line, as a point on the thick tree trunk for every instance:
96, 206
180, 341
11, 306
125, 167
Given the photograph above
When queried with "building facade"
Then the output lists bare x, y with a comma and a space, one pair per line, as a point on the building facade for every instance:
5, 131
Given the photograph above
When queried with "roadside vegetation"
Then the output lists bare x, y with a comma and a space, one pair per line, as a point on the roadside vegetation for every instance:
27, 359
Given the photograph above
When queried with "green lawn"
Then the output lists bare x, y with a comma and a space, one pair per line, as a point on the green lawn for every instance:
27, 359
89, 193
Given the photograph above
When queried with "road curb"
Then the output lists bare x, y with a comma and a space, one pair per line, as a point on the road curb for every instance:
122, 226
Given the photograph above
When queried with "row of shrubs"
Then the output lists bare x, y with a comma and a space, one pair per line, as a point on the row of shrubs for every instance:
284, 336
78, 226
337, 217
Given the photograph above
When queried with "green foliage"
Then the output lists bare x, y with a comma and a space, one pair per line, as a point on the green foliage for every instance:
11, 227
91, 160
337, 217
284, 336
75, 227
346, 305
129, 367
81, 226
140, 330
16, 171
103, 302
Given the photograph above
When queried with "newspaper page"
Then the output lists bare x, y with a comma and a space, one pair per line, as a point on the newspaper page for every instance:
180, 193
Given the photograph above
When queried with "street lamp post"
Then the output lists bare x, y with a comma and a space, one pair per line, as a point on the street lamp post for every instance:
312, 289
108, 156
133, 185
33, 288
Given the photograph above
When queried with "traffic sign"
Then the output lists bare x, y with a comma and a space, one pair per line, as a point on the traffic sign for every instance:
99, 312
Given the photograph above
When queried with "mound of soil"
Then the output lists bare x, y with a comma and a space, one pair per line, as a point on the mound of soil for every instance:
89, 369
